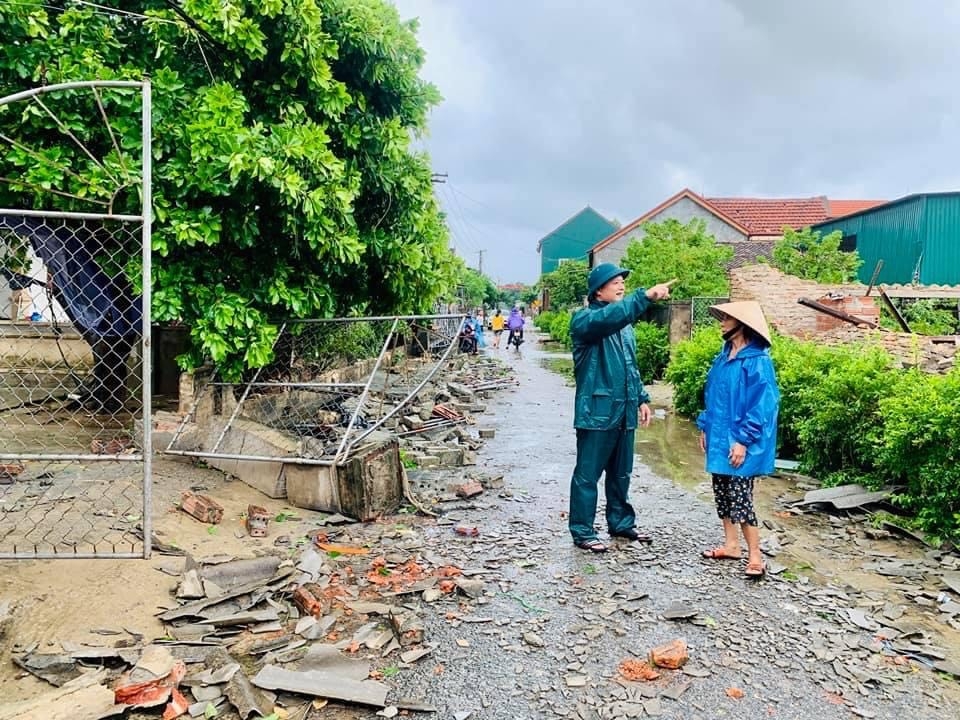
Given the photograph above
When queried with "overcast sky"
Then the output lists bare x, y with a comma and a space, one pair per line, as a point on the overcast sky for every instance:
551, 105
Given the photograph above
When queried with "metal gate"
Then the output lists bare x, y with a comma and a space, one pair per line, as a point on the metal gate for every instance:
75, 447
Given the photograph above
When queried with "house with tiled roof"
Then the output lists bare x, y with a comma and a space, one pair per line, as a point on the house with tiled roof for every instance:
749, 225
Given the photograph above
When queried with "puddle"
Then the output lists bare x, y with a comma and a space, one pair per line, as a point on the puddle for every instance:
671, 449
559, 362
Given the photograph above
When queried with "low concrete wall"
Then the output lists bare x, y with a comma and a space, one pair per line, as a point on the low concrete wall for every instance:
35, 345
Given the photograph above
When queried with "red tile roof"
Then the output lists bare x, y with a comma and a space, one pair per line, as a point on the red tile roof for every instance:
755, 217
768, 216
839, 208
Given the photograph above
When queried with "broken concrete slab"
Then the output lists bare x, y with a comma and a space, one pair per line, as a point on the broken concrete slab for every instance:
844, 497
320, 684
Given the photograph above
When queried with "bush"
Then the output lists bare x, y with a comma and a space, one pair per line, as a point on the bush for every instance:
808, 255
688, 368
919, 444
835, 417
653, 349
557, 324
799, 366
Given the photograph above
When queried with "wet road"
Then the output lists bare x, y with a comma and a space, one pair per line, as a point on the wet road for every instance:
546, 638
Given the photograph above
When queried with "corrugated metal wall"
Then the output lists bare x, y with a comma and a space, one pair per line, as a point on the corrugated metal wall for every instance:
893, 233
941, 230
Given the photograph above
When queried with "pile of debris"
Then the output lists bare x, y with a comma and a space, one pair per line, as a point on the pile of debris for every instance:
262, 635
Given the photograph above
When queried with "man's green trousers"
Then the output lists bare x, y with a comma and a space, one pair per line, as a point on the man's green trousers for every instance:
609, 452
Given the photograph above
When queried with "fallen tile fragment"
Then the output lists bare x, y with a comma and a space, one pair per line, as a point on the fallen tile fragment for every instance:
342, 549
679, 611
322, 684
633, 669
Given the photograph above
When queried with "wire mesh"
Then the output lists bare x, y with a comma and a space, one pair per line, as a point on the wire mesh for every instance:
70, 386
700, 311
332, 382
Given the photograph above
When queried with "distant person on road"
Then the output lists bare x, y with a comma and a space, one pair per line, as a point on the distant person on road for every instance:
738, 428
515, 325
468, 337
496, 324
609, 398
478, 332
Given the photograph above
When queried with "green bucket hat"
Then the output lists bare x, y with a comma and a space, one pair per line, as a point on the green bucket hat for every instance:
602, 274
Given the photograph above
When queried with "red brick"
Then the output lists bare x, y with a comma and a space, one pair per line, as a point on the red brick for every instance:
201, 507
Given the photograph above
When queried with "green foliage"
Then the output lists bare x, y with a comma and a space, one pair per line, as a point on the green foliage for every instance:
557, 324
285, 181
925, 317
653, 349
805, 254
567, 285
799, 366
837, 414
477, 290
919, 443
688, 367
687, 252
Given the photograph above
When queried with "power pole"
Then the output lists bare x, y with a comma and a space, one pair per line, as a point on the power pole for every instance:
480, 264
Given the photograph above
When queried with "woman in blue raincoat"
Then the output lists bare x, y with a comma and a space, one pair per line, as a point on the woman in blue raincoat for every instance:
478, 331
738, 428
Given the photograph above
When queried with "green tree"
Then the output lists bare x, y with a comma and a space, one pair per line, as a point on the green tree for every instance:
688, 253
808, 255
284, 175
567, 285
476, 289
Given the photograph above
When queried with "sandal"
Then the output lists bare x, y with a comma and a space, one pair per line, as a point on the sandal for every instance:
719, 553
755, 570
632, 535
592, 545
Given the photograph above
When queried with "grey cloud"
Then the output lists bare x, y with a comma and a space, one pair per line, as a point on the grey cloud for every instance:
554, 105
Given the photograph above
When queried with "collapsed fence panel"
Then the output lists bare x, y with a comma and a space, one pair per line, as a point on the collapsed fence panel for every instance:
74, 363
332, 388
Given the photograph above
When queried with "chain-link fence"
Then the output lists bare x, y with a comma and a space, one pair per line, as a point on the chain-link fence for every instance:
70, 386
74, 458
700, 311
331, 384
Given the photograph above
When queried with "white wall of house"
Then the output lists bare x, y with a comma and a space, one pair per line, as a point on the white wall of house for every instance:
38, 301
684, 210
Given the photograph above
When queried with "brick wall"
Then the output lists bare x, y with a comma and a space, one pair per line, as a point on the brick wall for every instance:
778, 293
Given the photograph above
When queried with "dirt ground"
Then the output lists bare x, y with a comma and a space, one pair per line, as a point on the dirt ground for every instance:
72, 600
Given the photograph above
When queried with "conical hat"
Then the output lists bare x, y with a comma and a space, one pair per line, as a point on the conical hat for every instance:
748, 312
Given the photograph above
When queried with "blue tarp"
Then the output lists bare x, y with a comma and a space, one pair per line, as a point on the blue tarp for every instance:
97, 304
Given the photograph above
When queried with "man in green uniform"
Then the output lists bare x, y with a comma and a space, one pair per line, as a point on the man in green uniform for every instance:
609, 397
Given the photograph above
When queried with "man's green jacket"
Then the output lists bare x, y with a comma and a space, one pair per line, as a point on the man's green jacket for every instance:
609, 389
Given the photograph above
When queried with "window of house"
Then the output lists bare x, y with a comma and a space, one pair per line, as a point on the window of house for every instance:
848, 243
